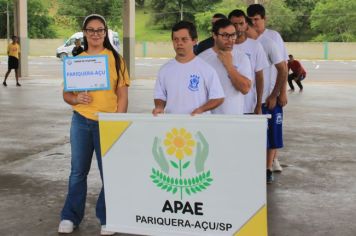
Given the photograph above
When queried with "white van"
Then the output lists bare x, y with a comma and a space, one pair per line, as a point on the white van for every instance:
67, 47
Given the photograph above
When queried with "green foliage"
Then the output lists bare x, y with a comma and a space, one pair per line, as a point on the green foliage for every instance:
296, 20
334, 19
145, 31
203, 19
140, 3
78, 10
280, 17
167, 13
301, 30
40, 24
3, 23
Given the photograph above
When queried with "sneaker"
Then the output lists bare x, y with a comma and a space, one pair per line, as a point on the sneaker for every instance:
4, 83
66, 227
276, 167
104, 231
269, 176
18, 84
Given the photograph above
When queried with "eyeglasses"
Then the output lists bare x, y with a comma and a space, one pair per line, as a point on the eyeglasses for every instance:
92, 32
227, 36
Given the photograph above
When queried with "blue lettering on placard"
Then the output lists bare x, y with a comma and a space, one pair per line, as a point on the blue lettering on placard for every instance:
86, 73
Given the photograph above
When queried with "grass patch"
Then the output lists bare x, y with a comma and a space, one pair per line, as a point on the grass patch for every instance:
146, 32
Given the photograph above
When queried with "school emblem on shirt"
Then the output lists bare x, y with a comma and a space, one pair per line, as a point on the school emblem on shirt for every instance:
181, 161
279, 118
194, 83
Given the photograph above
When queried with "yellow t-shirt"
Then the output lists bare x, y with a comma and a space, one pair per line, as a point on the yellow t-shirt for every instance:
13, 50
105, 100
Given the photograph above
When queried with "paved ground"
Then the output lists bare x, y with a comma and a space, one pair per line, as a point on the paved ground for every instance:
315, 195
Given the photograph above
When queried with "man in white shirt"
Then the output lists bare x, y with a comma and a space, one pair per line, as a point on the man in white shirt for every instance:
258, 60
232, 67
277, 97
186, 84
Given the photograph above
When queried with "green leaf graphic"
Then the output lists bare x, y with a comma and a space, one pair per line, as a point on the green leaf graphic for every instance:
175, 190
186, 165
190, 186
175, 165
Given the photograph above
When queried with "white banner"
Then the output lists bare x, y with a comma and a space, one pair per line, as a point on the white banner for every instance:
85, 73
184, 175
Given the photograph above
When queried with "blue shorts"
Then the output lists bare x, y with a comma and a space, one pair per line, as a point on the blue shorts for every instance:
274, 131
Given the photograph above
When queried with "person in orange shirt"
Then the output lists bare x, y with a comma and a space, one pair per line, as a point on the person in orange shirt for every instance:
84, 131
13, 51
298, 73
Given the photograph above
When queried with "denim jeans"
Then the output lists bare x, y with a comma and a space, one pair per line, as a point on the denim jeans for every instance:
84, 139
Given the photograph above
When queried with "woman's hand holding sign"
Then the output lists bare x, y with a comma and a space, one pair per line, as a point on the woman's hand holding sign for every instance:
83, 98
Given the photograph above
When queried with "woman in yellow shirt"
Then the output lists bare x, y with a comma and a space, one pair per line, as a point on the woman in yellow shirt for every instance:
84, 133
13, 51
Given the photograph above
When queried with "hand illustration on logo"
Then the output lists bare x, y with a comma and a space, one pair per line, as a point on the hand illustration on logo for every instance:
202, 152
159, 157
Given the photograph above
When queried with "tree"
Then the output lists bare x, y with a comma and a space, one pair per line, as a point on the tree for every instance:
3, 16
203, 19
140, 3
166, 13
39, 23
78, 10
280, 17
301, 30
334, 20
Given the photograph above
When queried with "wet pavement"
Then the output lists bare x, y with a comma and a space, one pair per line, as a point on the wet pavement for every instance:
314, 195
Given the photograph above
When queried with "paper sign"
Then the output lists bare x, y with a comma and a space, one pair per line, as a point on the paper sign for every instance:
86, 73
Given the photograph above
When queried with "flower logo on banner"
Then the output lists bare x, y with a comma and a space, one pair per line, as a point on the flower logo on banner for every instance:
182, 150
179, 143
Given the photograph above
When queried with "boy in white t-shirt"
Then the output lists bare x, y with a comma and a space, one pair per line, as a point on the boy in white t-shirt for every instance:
277, 97
232, 66
258, 60
186, 84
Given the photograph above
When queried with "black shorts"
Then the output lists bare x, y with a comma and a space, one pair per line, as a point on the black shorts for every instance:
13, 63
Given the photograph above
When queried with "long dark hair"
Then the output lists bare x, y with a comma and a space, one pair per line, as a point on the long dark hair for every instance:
107, 43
